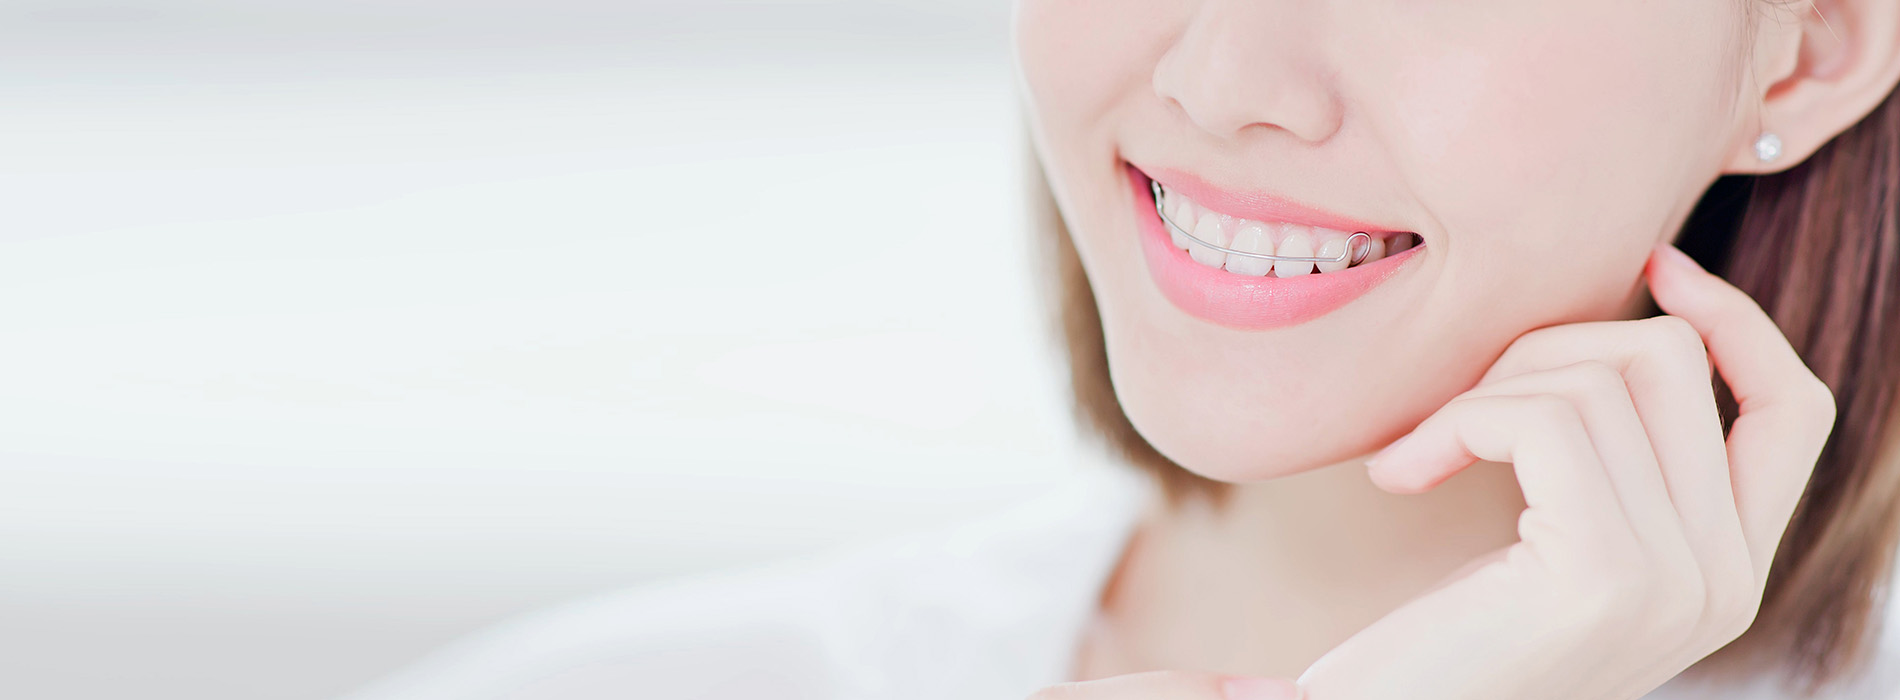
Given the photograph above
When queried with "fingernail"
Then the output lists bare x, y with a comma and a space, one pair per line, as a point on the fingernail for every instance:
1388, 448
1676, 257
1259, 689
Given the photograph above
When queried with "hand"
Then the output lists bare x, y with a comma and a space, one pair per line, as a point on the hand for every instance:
1647, 537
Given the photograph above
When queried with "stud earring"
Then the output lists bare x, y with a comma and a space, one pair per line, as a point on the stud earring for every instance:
1768, 147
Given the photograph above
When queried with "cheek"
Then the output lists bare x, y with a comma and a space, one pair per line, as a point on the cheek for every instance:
1085, 66
1045, 55
1554, 158
1080, 59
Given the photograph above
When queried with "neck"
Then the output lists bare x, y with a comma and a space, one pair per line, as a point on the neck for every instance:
1286, 569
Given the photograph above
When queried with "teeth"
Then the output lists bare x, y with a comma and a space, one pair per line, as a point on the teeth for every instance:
1272, 238
1332, 244
1175, 206
1182, 213
1252, 237
1210, 230
1298, 244
1376, 248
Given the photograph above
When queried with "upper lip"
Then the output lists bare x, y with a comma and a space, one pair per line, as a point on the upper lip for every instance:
1257, 205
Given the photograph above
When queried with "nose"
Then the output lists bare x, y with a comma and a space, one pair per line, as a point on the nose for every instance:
1243, 66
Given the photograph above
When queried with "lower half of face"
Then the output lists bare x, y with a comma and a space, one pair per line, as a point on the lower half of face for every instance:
1511, 163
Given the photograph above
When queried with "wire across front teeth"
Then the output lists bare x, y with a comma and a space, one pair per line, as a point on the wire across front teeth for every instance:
1357, 245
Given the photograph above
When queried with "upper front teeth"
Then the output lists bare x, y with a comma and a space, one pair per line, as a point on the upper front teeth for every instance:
1270, 238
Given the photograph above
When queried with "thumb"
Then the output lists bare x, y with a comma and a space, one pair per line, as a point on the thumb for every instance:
1174, 685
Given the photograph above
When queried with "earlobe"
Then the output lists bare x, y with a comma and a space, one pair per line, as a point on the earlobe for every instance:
1830, 63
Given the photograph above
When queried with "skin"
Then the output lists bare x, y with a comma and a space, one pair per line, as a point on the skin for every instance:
1566, 485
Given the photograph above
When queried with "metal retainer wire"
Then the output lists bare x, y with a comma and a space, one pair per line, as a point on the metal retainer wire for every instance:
1357, 245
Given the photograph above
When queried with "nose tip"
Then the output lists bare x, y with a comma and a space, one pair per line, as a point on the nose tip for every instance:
1229, 74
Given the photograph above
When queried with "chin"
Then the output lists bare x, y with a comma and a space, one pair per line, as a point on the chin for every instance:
1238, 433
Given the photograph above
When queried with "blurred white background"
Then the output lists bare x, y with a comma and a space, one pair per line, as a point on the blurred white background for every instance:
332, 330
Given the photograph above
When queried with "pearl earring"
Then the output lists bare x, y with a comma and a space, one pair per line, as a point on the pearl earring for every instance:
1768, 147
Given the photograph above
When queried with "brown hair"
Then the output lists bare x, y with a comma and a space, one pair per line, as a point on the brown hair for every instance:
1818, 246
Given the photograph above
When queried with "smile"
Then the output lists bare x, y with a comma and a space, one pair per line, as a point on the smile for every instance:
1256, 262
1248, 247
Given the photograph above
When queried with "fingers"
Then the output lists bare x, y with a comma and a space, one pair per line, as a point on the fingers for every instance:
1173, 685
1507, 624
1786, 413
1675, 574
1600, 537
1542, 435
1610, 419
1666, 370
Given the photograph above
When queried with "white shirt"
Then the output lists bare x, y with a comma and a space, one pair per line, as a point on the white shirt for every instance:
992, 608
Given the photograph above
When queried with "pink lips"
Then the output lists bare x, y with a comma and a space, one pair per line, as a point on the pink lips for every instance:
1258, 206
1246, 302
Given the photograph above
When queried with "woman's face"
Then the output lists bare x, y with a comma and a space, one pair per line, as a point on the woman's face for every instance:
1537, 149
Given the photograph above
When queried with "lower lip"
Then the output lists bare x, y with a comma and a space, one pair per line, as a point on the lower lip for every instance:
1246, 302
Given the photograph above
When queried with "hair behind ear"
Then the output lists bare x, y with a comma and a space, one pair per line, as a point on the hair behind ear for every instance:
1818, 245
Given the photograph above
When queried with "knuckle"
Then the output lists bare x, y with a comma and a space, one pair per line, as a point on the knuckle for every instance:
1598, 378
1678, 340
1732, 596
1674, 331
1742, 616
1734, 628
1741, 598
1733, 611
1529, 341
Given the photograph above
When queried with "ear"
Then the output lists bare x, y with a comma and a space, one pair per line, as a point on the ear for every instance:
1819, 67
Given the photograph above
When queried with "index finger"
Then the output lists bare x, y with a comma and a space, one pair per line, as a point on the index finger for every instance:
1785, 412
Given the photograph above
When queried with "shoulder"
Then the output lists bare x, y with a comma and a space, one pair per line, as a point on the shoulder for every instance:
985, 608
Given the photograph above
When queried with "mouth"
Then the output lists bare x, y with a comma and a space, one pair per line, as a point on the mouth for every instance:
1255, 261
